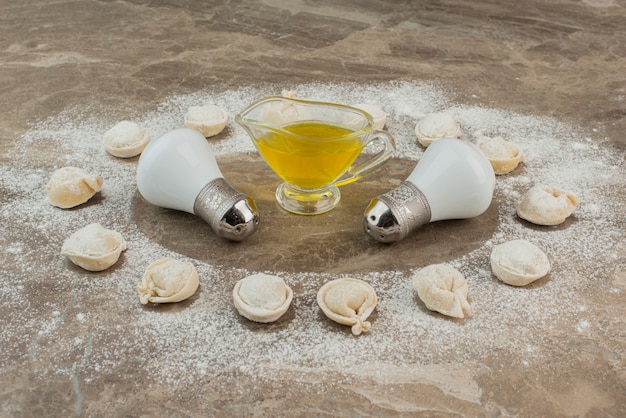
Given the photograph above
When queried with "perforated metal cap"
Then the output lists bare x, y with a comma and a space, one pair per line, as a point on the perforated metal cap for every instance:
231, 214
390, 217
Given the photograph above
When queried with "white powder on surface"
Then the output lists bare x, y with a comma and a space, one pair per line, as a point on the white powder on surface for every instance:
204, 337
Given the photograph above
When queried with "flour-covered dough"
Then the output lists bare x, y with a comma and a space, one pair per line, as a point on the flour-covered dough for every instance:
94, 247
442, 288
280, 113
126, 139
168, 280
503, 155
348, 301
71, 186
519, 262
376, 112
209, 120
435, 126
262, 297
546, 205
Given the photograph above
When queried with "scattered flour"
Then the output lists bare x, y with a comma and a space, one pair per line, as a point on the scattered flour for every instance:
204, 337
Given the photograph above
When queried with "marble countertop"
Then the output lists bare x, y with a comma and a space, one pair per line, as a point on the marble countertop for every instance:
550, 75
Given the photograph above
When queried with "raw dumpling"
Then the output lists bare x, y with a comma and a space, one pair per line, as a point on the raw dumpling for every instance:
126, 139
442, 288
93, 247
209, 120
435, 126
279, 113
544, 205
168, 280
349, 302
518, 262
376, 112
504, 156
72, 186
262, 297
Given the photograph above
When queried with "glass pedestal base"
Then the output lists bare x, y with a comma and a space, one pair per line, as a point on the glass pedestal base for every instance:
307, 202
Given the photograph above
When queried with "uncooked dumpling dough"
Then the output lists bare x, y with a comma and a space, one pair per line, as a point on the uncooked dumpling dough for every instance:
93, 247
262, 297
545, 205
349, 302
519, 262
376, 112
168, 280
280, 113
209, 120
435, 126
503, 155
442, 288
126, 139
71, 186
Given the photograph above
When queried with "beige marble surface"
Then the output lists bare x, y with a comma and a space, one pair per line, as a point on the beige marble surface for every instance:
68, 348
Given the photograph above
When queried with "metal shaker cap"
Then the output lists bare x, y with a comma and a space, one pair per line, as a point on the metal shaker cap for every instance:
390, 217
231, 214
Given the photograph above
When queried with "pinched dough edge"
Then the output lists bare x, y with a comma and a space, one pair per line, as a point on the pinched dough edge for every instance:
503, 155
356, 298
97, 234
149, 291
546, 205
518, 262
259, 313
69, 187
443, 289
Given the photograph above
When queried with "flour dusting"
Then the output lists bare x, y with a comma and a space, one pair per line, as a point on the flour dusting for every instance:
205, 337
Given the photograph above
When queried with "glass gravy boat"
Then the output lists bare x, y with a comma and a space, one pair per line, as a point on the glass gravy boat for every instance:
313, 147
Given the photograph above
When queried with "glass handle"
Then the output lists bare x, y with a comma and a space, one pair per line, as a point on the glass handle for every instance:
374, 163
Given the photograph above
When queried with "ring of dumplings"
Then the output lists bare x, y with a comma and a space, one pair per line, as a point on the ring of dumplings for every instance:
209, 120
519, 262
348, 301
443, 289
435, 126
545, 205
126, 139
168, 280
94, 247
503, 155
72, 186
262, 297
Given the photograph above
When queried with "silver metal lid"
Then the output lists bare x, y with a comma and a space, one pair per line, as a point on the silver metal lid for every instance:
231, 214
392, 216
